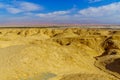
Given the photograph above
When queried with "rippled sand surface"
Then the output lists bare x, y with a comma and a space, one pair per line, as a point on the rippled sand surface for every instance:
59, 54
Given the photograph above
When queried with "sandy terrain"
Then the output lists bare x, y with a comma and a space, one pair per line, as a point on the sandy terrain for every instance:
59, 54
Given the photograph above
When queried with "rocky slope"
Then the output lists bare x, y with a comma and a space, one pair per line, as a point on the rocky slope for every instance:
59, 54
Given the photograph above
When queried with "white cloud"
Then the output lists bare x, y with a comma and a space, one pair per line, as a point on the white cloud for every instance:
21, 7
53, 14
102, 15
107, 10
60, 12
14, 10
27, 6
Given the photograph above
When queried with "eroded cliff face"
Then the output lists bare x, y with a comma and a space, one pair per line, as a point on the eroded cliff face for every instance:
59, 54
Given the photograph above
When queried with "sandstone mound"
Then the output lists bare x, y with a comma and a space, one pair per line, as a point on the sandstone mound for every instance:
59, 54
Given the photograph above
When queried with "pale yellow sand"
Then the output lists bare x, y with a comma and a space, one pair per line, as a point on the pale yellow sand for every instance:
59, 54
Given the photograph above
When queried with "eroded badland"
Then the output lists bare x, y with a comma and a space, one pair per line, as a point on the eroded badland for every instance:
59, 54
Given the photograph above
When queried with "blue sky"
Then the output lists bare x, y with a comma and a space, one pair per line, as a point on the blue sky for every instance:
60, 11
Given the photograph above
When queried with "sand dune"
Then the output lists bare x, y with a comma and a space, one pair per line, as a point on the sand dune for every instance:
59, 54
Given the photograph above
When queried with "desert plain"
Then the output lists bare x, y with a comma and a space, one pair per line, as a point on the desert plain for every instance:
59, 54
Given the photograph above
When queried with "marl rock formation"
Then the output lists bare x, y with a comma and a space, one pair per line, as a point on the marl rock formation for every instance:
59, 54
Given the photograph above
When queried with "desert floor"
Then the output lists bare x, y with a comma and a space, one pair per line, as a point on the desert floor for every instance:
59, 54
